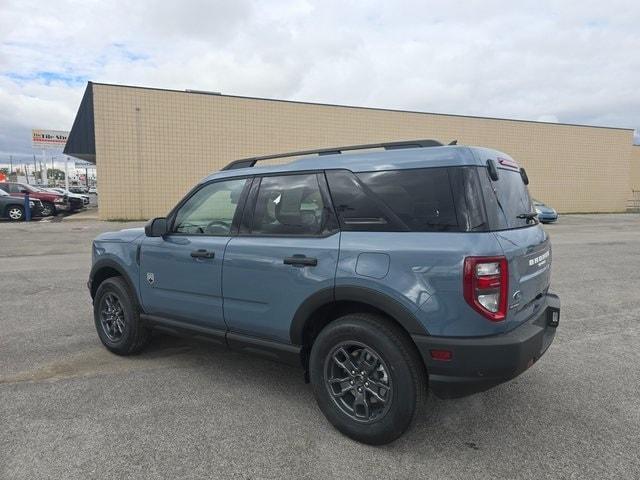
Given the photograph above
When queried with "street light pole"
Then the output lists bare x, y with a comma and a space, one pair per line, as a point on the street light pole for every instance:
43, 172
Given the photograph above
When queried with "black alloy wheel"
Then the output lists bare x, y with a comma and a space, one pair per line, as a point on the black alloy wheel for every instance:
358, 381
112, 317
117, 318
367, 377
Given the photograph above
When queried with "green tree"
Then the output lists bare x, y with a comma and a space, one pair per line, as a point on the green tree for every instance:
5, 171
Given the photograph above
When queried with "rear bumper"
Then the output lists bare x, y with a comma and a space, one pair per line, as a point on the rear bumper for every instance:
480, 363
75, 203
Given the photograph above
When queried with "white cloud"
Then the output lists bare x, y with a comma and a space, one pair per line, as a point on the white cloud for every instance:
532, 60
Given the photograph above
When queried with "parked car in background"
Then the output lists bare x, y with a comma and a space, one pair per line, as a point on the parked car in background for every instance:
546, 214
93, 190
12, 207
52, 203
378, 273
71, 195
78, 189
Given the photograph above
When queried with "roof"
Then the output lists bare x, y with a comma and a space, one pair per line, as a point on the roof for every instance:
218, 94
81, 140
401, 159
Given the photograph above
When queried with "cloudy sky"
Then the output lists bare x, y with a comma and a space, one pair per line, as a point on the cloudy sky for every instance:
574, 62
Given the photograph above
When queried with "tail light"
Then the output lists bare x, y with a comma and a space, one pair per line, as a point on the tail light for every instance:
485, 282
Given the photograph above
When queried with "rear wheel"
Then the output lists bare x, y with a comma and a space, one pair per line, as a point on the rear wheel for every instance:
367, 377
117, 318
15, 213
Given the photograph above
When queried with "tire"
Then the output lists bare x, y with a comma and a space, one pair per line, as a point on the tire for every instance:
118, 322
15, 213
398, 377
48, 209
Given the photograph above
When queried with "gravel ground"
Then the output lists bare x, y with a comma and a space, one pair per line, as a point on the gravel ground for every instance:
70, 409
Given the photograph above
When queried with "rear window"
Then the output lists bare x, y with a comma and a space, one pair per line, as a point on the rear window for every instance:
507, 200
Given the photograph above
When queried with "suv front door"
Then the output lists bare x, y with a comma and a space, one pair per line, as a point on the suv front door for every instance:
181, 273
286, 251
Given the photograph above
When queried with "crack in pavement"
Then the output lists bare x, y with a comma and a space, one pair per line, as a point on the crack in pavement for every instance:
93, 362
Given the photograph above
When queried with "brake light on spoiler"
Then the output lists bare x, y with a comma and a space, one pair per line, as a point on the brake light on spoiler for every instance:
507, 163
485, 285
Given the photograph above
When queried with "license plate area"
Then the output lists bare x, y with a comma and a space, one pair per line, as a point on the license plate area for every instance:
553, 316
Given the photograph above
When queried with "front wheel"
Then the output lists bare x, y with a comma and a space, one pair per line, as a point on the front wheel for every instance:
117, 318
367, 377
48, 209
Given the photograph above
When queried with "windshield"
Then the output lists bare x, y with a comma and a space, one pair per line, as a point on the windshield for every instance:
508, 202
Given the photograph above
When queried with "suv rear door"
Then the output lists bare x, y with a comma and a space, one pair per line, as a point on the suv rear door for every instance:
524, 242
286, 251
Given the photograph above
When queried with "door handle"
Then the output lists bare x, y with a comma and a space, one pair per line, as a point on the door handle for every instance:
202, 253
301, 261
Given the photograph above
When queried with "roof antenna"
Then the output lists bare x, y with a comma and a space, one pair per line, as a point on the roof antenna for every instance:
454, 142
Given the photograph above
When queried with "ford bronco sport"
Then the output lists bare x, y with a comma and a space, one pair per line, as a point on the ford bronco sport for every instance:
382, 273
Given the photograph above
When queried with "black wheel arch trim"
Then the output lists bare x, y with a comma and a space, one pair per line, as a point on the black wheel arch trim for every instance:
109, 263
374, 298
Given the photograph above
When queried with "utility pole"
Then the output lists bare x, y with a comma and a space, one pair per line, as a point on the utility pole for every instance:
66, 173
10, 164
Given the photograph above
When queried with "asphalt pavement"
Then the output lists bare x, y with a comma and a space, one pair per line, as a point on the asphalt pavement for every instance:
70, 409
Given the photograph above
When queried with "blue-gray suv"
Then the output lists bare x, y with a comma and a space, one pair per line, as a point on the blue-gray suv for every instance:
382, 270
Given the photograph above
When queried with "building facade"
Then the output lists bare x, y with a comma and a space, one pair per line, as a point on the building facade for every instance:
151, 146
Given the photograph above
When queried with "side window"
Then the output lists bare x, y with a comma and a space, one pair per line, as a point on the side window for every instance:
289, 205
210, 210
14, 188
4, 187
357, 209
421, 198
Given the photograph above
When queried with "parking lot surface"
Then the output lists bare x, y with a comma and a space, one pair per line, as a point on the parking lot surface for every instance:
70, 409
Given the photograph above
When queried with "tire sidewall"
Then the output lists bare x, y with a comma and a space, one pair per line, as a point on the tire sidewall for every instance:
116, 287
403, 399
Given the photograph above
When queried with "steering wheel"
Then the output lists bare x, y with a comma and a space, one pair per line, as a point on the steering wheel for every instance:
219, 227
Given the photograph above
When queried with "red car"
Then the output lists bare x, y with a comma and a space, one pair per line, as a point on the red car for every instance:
52, 203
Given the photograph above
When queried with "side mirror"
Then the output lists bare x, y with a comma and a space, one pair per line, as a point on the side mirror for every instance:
157, 227
525, 177
493, 169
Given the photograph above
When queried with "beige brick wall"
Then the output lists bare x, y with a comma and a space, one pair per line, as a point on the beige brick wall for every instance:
635, 168
152, 146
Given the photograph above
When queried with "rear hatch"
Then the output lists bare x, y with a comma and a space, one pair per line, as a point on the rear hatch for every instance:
525, 243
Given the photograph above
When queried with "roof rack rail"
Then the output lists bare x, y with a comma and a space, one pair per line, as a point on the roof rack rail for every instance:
250, 162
